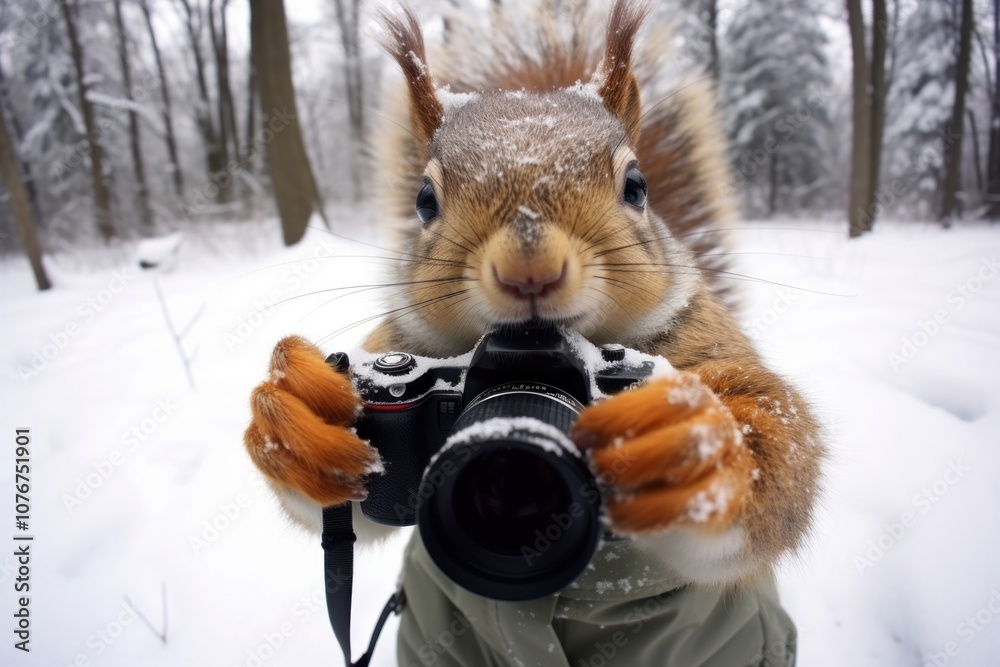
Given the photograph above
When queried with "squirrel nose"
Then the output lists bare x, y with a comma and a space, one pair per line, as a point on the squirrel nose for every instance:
526, 281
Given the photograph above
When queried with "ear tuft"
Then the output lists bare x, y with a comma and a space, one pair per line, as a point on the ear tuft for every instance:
616, 80
402, 39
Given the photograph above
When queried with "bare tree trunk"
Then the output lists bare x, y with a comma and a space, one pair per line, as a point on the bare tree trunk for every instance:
892, 49
20, 205
347, 17
772, 199
213, 153
168, 119
993, 158
953, 144
17, 135
102, 197
226, 89
984, 56
142, 192
860, 218
976, 157
287, 161
224, 99
247, 151
712, 21
880, 28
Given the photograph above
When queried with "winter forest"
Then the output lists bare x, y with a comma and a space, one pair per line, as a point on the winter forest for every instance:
129, 118
184, 183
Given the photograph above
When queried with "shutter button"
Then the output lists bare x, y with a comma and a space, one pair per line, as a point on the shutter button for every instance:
613, 352
395, 363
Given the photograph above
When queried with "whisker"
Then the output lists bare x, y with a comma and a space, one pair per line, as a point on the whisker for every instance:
620, 309
723, 274
366, 289
597, 225
361, 257
357, 289
630, 245
383, 249
746, 228
625, 285
447, 305
719, 230
760, 254
413, 307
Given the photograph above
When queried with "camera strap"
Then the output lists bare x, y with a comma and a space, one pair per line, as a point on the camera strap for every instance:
338, 565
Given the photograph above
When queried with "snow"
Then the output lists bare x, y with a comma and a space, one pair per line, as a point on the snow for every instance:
869, 589
708, 503
545, 436
451, 101
592, 359
149, 114
364, 373
160, 251
140, 482
591, 89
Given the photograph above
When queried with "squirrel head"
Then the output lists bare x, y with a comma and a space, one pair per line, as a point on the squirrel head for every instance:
532, 203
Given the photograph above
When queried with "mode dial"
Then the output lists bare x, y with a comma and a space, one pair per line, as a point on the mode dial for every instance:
395, 363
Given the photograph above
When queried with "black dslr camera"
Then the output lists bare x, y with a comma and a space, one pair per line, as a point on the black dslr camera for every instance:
477, 454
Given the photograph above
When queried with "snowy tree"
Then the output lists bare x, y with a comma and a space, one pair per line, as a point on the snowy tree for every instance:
20, 204
774, 86
288, 163
348, 14
953, 144
135, 145
91, 131
166, 109
868, 96
698, 33
921, 103
40, 96
993, 152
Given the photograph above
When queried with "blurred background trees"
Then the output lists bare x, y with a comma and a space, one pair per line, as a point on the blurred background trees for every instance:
135, 117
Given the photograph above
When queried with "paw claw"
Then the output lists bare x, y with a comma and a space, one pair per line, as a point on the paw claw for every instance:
299, 436
671, 452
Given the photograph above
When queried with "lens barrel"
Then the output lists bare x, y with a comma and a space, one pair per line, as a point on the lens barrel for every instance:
511, 510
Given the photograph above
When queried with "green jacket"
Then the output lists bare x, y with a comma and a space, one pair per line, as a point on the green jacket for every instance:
628, 609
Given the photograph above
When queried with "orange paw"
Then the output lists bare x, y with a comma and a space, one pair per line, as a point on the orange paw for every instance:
672, 454
300, 435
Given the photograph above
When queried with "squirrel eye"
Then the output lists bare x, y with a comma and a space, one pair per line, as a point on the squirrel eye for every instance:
427, 204
635, 188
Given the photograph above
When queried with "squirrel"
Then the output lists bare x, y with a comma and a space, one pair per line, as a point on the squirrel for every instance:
558, 177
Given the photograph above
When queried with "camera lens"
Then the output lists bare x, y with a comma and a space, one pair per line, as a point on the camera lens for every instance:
511, 493
511, 509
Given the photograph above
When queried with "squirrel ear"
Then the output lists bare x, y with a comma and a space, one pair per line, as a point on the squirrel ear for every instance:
617, 83
402, 39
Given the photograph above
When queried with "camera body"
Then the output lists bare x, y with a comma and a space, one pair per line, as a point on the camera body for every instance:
477, 452
411, 403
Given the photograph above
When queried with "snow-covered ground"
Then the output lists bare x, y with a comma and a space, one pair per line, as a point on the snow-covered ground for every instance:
140, 484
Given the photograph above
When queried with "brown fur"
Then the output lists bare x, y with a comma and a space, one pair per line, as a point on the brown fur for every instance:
528, 175
781, 432
619, 87
299, 435
679, 146
403, 41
